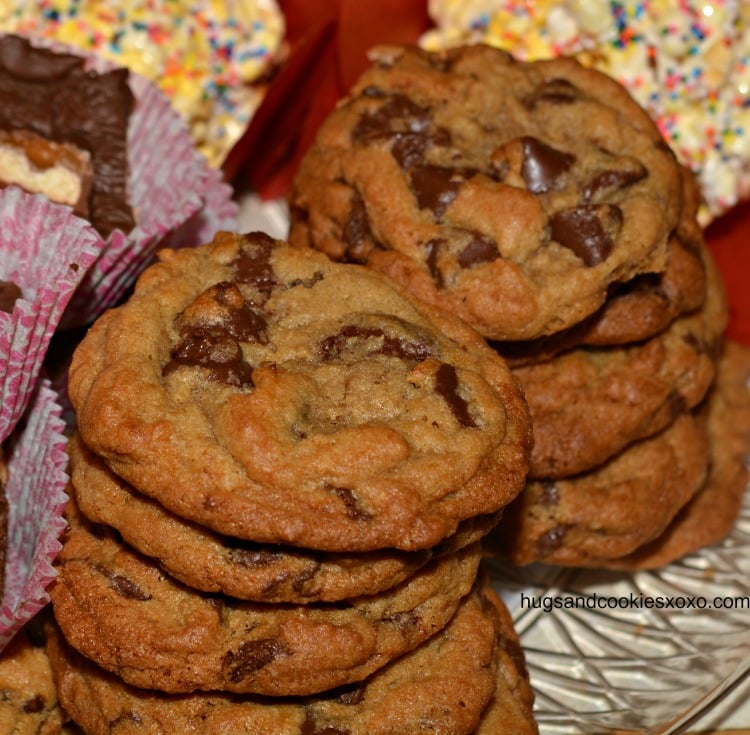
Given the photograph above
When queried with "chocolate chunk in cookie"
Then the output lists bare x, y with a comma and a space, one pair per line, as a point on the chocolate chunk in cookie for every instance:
470, 675
187, 640
515, 194
272, 395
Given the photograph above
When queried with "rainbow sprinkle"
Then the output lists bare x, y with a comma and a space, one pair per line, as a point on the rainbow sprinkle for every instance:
686, 62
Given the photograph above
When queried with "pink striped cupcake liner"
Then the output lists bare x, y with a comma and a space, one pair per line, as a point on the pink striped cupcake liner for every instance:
35, 491
46, 251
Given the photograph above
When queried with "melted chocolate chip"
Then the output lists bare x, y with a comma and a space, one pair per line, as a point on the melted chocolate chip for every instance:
253, 263
543, 166
692, 341
553, 92
380, 343
54, 96
33, 705
613, 179
251, 656
404, 620
124, 586
353, 510
446, 385
677, 404
357, 233
398, 114
9, 294
409, 148
215, 351
302, 578
353, 694
550, 541
243, 321
249, 555
588, 230
481, 249
435, 187
310, 727
432, 251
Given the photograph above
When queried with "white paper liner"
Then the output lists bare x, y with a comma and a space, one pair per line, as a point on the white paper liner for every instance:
36, 496
46, 251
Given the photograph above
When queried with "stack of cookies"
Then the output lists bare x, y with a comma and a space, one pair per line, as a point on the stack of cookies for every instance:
538, 201
282, 472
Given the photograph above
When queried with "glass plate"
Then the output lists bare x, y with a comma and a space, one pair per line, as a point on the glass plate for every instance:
623, 666
601, 660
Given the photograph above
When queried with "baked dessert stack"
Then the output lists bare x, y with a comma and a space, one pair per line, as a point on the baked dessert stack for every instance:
538, 201
282, 472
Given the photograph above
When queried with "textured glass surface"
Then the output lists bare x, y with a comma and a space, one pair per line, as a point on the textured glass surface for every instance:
627, 666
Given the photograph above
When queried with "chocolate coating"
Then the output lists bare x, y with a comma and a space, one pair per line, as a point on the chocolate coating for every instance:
54, 97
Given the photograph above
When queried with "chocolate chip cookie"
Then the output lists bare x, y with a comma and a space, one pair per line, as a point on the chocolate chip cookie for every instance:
611, 511
262, 572
511, 193
638, 309
445, 685
28, 698
104, 593
588, 404
712, 513
275, 396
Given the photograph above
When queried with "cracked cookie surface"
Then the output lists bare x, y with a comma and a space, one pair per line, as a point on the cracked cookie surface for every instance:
513, 193
272, 395
611, 511
590, 403
105, 592
261, 572
449, 684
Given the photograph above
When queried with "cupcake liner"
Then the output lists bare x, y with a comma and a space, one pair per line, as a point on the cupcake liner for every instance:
219, 212
36, 498
46, 251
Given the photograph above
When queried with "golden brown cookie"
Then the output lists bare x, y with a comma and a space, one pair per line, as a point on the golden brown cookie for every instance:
511, 193
119, 609
639, 308
442, 687
589, 403
712, 513
272, 395
611, 511
28, 697
262, 572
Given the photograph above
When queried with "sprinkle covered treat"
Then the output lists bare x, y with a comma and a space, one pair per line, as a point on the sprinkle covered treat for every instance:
687, 63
